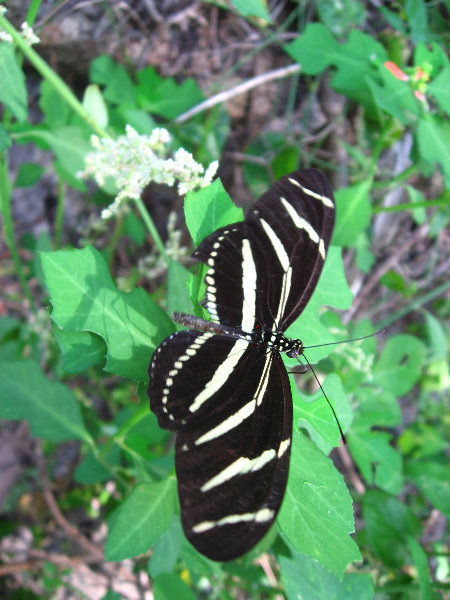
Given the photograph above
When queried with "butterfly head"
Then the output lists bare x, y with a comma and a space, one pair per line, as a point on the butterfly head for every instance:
294, 348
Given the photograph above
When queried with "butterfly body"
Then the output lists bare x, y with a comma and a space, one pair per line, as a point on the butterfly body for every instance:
223, 387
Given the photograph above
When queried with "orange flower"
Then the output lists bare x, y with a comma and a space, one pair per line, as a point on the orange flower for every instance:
396, 71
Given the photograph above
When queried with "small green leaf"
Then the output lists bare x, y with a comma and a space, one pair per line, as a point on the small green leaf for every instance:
29, 174
399, 365
353, 212
252, 8
305, 578
433, 480
421, 563
433, 133
95, 105
169, 586
5, 139
394, 97
90, 470
439, 88
389, 523
50, 407
316, 517
208, 209
84, 298
167, 549
80, 349
315, 50
13, 93
56, 111
144, 516
178, 297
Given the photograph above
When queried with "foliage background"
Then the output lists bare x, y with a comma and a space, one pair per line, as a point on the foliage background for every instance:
88, 452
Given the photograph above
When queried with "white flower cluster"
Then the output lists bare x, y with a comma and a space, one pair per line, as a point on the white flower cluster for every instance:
134, 160
27, 32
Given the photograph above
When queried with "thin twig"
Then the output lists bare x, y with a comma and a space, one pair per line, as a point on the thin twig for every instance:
238, 89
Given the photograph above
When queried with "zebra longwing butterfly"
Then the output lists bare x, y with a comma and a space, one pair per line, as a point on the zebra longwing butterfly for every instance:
223, 388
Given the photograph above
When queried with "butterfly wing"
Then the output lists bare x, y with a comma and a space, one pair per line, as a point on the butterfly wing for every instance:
233, 426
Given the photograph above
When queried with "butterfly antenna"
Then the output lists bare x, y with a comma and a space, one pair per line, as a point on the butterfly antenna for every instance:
364, 337
326, 398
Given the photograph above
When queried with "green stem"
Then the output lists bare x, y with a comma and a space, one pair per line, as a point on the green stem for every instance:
414, 305
47, 73
59, 213
5, 201
33, 11
403, 176
411, 205
152, 229
122, 432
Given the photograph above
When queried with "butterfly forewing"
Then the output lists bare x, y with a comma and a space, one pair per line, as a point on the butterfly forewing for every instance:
225, 392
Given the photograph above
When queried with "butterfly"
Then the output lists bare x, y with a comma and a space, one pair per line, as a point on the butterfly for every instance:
222, 386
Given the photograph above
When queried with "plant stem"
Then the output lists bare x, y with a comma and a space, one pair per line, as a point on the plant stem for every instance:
5, 203
47, 73
152, 229
59, 213
122, 432
411, 205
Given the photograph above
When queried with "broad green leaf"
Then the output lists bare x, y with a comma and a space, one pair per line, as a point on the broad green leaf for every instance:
314, 414
421, 564
164, 96
13, 93
433, 133
305, 578
316, 517
339, 17
167, 549
90, 470
315, 50
84, 298
378, 461
439, 88
7, 325
50, 407
101, 69
353, 212
331, 290
376, 407
80, 349
417, 18
437, 337
252, 8
144, 516
178, 297
119, 88
399, 366
389, 523
170, 587
208, 209
433, 480
394, 97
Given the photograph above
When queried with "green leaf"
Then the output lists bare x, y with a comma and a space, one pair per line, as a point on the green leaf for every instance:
433, 133
143, 517
119, 88
178, 297
80, 349
50, 407
167, 549
340, 16
208, 209
164, 96
399, 366
90, 470
13, 93
378, 462
421, 563
437, 337
389, 523
314, 414
315, 50
417, 18
29, 174
169, 586
56, 111
394, 97
439, 88
353, 210
95, 105
316, 517
84, 298
305, 578
252, 8
432, 479
101, 69
331, 290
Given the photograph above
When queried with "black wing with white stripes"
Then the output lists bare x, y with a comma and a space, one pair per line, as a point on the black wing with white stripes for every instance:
224, 389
